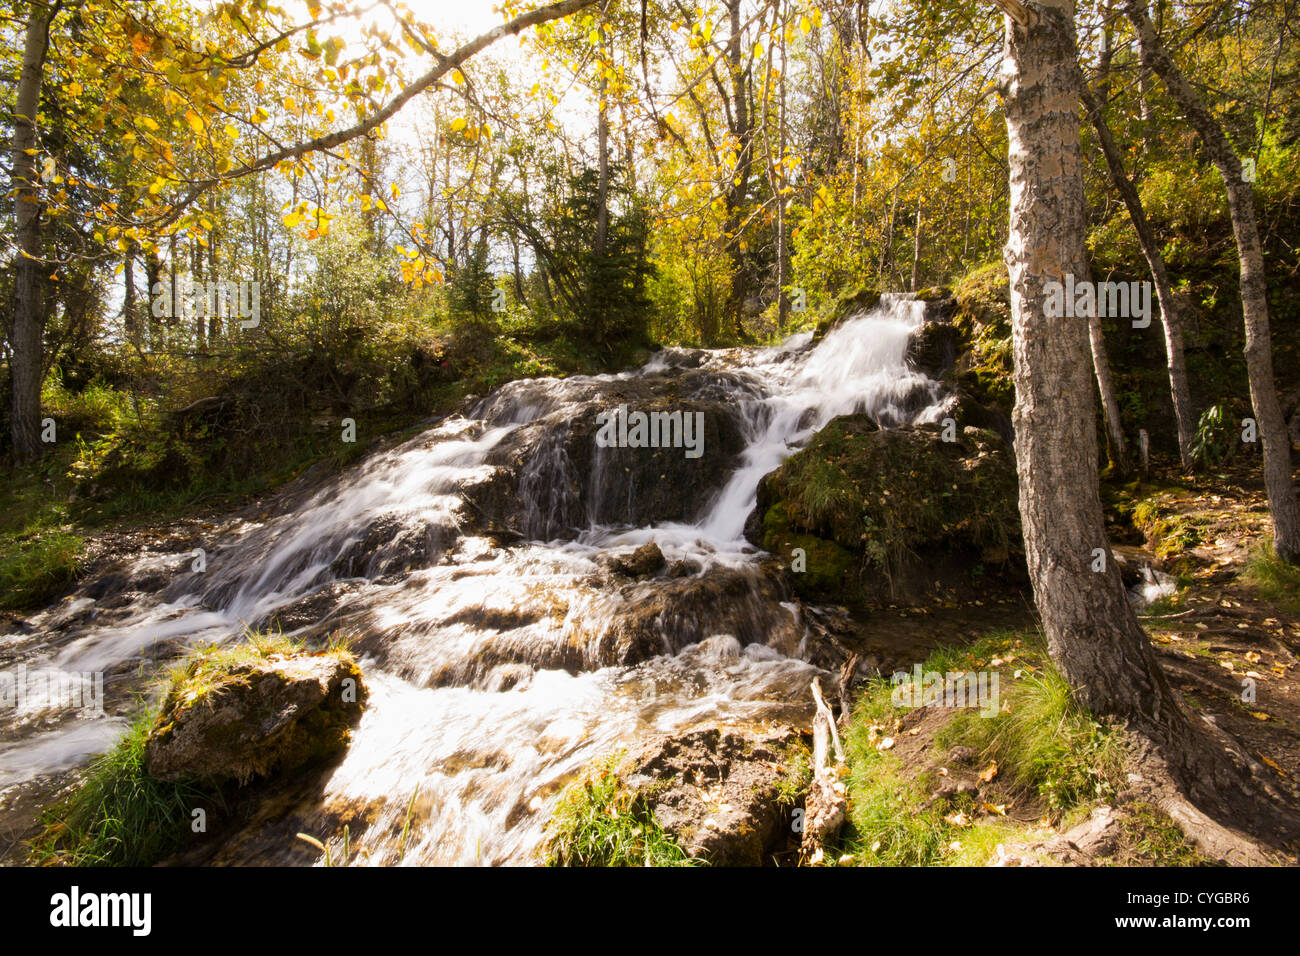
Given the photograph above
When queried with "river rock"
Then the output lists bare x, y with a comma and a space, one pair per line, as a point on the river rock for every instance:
641, 563
867, 512
726, 794
934, 347
256, 717
662, 616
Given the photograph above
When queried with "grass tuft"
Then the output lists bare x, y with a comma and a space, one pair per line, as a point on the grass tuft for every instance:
1046, 747
121, 816
599, 822
1275, 580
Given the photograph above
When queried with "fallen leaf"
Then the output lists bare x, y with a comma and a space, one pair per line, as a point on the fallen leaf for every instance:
989, 772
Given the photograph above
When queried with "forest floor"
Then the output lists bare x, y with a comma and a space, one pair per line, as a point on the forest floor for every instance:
1046, 785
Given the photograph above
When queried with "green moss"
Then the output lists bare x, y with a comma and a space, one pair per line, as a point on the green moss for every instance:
984, 318
826, 564
1169, 534
859, 496
860, 299
599, 822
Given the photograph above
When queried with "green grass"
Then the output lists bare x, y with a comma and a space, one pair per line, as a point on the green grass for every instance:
35, 568
599, 822
121, 816
1046, 745
1274, 580
1046, 748
210, 668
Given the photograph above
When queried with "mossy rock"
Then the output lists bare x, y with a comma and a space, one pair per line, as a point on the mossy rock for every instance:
861, 299
859, 499
236, 714
825, 565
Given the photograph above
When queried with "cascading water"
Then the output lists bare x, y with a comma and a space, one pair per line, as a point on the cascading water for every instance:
501, 661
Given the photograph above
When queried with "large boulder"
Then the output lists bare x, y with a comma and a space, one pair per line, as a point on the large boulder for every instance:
874, 511
234, 715
565, 481
725, 794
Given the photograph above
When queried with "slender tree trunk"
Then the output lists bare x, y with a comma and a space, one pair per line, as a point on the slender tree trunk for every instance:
597, 310
200, 298
1170, 317
738, 191
130, 312
1116, 444
887, 244
916, 248
29, 310
153, 276
782, 228
1254, 297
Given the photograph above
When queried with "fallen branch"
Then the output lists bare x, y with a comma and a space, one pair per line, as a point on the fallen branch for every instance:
827, 803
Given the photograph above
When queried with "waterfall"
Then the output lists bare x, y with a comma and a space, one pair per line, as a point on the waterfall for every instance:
502, 660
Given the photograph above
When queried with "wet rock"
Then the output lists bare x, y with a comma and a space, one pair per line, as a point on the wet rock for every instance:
962, 407
934, 347
725, 794
641, 563
643, 620
553, 466
255, 717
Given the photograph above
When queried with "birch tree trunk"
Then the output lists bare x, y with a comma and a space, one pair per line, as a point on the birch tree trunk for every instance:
1091, 630
1254, 299
26, 341
1116, 444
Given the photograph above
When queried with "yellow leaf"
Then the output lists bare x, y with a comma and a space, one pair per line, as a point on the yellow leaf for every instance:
458, 124
805, 24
